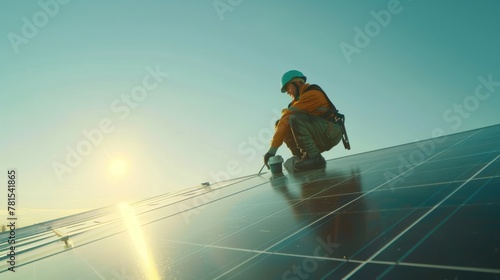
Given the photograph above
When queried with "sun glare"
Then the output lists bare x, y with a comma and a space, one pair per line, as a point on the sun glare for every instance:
118, 168
139, 240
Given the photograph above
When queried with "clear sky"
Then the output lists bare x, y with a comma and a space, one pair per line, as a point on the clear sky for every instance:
106, 101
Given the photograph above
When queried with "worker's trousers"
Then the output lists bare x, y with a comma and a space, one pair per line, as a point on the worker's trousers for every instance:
311, 134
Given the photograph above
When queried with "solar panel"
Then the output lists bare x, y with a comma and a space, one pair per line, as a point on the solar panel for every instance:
424, 210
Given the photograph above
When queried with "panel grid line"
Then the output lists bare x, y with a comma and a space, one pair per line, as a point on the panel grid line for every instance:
416, 222
256, 222
352, 201
323, 258
411, 250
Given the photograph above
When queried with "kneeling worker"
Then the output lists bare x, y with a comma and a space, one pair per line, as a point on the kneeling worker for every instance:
309, 126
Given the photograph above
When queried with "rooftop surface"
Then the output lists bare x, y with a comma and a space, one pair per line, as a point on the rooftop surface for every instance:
424, 210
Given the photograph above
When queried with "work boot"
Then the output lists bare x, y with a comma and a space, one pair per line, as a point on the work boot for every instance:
310, 163
289, 164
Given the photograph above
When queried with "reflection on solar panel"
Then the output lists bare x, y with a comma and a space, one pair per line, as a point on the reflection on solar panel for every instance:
426, 210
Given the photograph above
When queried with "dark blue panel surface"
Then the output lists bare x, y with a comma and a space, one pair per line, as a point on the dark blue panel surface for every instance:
425, 210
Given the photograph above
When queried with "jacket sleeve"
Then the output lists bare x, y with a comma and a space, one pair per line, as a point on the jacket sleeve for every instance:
279, 135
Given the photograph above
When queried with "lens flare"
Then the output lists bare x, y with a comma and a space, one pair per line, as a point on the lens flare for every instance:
137, 236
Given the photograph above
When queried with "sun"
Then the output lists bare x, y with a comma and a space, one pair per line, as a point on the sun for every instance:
118, 168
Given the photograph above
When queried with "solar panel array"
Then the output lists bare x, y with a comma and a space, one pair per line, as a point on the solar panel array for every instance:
424, 210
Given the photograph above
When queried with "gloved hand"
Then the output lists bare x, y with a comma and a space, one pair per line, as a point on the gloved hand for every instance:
267, 156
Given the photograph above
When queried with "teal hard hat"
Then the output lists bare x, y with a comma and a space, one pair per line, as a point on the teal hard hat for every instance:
290, 75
